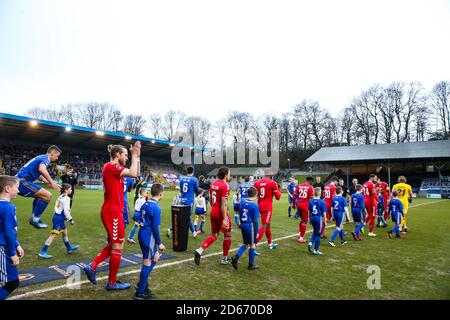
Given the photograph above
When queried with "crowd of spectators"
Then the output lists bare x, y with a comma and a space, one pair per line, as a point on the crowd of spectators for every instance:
87, 165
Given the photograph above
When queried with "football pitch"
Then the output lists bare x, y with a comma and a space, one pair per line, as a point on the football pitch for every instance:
416, 267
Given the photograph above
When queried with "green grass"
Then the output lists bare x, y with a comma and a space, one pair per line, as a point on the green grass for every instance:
417, 267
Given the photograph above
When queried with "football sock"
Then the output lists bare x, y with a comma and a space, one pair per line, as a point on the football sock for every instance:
191, 227
269, 235
208, 241
114, 265
289, 211
324, 224
241, 251
195, 223
133, 231
39, 208
297, 215
312, 239
105, 253
226, 245
260, 233
334, 235
317, 243
202, 223
302, 229
342, 235
45, 248
143, 278
67, 242
251, 260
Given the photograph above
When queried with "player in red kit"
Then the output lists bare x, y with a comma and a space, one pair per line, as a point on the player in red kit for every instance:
370, 202
220, 220
386, 193
329, 192
113, 175
267, 189
302, 194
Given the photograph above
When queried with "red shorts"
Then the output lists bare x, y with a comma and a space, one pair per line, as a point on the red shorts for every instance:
217, 221
113, 222
304, 214
266, 217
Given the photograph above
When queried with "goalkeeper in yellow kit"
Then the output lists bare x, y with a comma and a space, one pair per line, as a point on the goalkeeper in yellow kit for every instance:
405, 196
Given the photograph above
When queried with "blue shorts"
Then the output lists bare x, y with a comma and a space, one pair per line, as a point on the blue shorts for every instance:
236, 207
148, 244
126, 214
8, 272
248, 233
316, 222
358, 216
58, 223
339, 219
397, 218
199, 211
28, 188
137, 216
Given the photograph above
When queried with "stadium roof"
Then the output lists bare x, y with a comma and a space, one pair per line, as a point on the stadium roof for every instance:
432, 150
14, 127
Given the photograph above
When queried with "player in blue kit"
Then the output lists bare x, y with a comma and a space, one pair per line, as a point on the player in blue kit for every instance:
243, 188
127, 187
188, 190
137, 213
10, 250
290, 190
248, 216
339, 209
236, 207
36, 169
317, 214
150, 240
396, 213
381, 222
358, 212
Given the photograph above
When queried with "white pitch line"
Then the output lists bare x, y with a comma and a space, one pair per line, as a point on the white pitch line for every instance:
169, 264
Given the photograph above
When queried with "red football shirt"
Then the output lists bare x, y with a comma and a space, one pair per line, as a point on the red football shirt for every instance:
329, 193
267, 189
370, 195
304, 192
219, 191
113, 187
385, 192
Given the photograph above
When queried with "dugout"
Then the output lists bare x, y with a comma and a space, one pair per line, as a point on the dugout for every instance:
415, 160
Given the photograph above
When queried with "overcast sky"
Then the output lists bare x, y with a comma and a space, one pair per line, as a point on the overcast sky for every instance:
205, 57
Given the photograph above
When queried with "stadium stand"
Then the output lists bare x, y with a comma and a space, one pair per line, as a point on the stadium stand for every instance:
84, 149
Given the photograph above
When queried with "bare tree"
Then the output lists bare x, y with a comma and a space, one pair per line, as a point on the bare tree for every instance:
346, 121
440, 102
134, 124
155, 125
363, 122
173, 121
